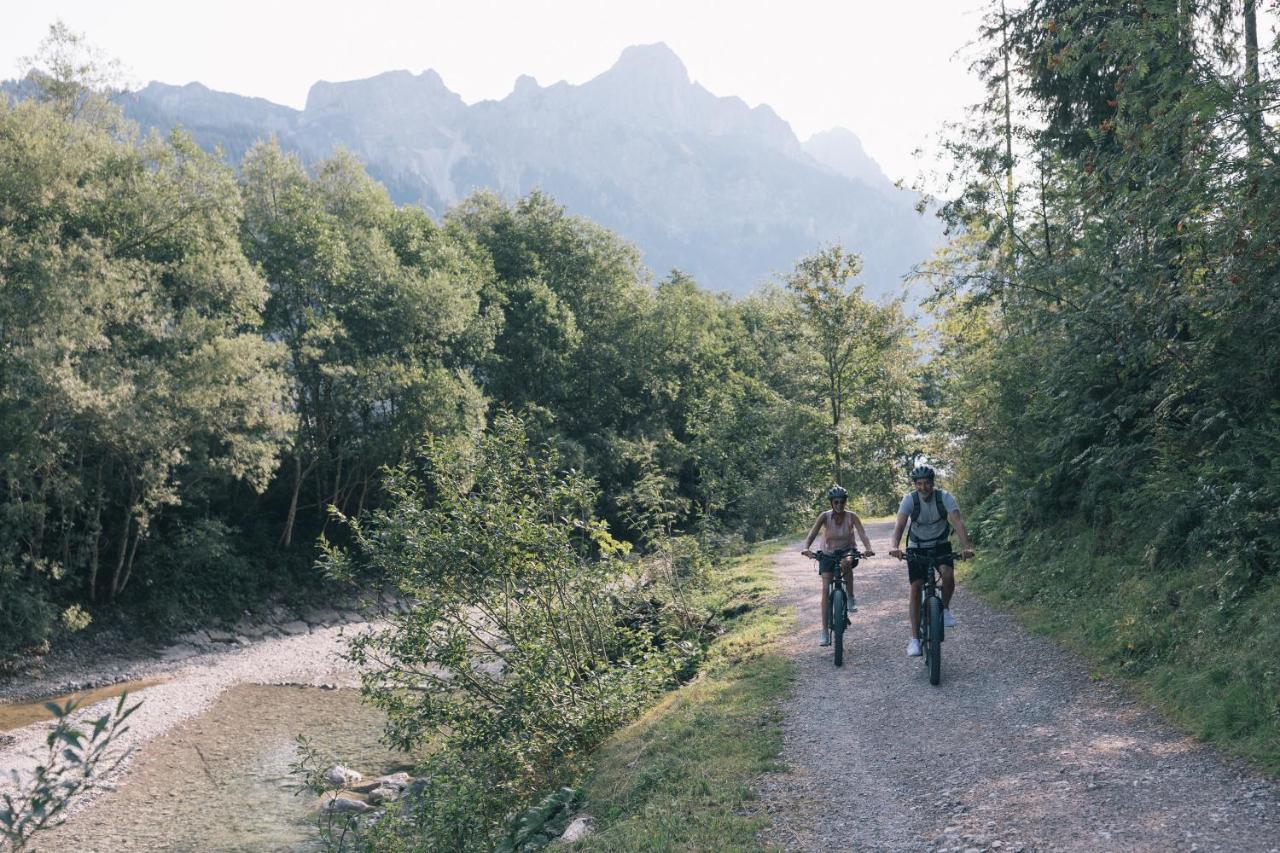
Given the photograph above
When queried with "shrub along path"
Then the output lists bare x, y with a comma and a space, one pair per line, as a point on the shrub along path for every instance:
1017, 749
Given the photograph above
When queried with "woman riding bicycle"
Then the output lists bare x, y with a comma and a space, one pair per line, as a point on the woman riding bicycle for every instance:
838, 526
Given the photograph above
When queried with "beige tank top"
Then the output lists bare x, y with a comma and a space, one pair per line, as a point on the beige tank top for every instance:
836, 535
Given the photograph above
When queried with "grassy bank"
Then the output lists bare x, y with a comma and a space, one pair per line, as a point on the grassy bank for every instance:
680, 777
1187, 638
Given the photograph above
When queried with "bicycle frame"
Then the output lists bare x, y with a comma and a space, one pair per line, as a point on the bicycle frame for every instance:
836, 621
931, 634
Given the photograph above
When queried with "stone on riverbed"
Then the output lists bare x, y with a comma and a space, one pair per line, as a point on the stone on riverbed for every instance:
322, 616
295, 629
199, 637
396, 781
217, 635
178, 651
342, 802
383, 794
252, 630
342, 776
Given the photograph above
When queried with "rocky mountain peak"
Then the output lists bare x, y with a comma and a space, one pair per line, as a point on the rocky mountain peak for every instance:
391, 90
655, 64
840, 150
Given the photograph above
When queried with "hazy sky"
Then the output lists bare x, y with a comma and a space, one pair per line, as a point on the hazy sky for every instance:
887, 71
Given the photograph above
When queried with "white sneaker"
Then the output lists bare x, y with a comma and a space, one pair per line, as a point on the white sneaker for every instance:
948, 621
913, 648
826, 638
853, 604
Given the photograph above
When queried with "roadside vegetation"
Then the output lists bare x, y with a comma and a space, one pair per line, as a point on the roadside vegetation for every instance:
204, 364
537, 638
680, 777
1110, 356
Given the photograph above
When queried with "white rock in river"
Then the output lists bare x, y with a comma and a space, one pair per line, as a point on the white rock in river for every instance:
343, 803
395, 780
383, 794
342, 776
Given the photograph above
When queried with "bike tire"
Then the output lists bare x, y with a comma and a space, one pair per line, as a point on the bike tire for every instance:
837, 625
934, 642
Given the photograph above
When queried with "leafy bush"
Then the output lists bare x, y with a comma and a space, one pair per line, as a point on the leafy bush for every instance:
27, 618
532, 636
76, 760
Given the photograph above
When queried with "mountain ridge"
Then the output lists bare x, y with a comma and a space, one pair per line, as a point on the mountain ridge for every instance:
702, 182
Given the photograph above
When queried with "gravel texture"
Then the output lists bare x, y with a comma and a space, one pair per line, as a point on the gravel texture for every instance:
1017, 749
195, 679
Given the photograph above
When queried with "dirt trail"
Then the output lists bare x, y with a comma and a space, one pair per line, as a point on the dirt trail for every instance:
1017, 749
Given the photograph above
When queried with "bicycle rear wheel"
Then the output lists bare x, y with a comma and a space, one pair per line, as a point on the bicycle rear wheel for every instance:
837, 625
933, 643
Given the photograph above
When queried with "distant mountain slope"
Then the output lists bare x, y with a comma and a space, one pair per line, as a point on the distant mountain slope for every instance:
704, 183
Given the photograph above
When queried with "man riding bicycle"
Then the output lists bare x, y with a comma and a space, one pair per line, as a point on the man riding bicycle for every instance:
932, 513
838, 526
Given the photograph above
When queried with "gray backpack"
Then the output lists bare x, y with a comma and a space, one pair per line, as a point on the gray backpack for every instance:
916, 505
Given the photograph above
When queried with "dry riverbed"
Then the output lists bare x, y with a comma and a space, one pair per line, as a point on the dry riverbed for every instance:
186, 679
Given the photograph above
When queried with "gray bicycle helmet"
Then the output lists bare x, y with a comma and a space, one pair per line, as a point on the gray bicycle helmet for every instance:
921, 472
837, 492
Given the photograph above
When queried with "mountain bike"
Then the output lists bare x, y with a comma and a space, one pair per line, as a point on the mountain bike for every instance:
932, 630
838, 599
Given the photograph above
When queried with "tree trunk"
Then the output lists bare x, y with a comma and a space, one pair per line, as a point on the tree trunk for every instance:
126, 534
1253, 119
833, 380
128, 566
286, 537
1009, 206
95, 541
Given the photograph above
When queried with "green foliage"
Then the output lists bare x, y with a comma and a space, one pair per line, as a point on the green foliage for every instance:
679, 777
75, 762
131, 361
379, 311
855, 366
1111, 328
531, 638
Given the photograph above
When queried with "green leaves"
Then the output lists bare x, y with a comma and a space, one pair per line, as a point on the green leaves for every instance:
74, 763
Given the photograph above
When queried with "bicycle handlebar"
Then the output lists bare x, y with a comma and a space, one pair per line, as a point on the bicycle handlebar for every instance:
954, 555
839, 552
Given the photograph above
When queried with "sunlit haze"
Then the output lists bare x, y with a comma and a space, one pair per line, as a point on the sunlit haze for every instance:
892, 73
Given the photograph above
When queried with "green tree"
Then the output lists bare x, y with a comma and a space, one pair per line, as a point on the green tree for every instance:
832, 320
380, 313
133, 366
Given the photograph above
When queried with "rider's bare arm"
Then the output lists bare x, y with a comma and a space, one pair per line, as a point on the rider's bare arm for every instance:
813, 534
958, 523
862, 534
898, 526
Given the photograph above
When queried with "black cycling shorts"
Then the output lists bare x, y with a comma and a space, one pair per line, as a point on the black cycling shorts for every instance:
830, 563
916, 569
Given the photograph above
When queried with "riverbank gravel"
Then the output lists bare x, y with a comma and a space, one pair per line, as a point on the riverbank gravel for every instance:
194, 681
1018, 749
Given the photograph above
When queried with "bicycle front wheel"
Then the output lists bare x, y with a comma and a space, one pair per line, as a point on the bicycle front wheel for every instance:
838, 611
933, 645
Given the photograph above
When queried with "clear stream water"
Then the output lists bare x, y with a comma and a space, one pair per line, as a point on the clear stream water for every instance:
15, 716
221, 782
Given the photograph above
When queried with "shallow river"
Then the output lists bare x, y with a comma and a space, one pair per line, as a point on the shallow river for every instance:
221, 781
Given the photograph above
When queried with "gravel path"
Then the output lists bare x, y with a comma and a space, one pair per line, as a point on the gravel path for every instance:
1017, 749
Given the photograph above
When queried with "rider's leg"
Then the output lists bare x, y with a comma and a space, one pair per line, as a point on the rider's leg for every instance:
915, 608
826, 600
847, 565
948, 583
